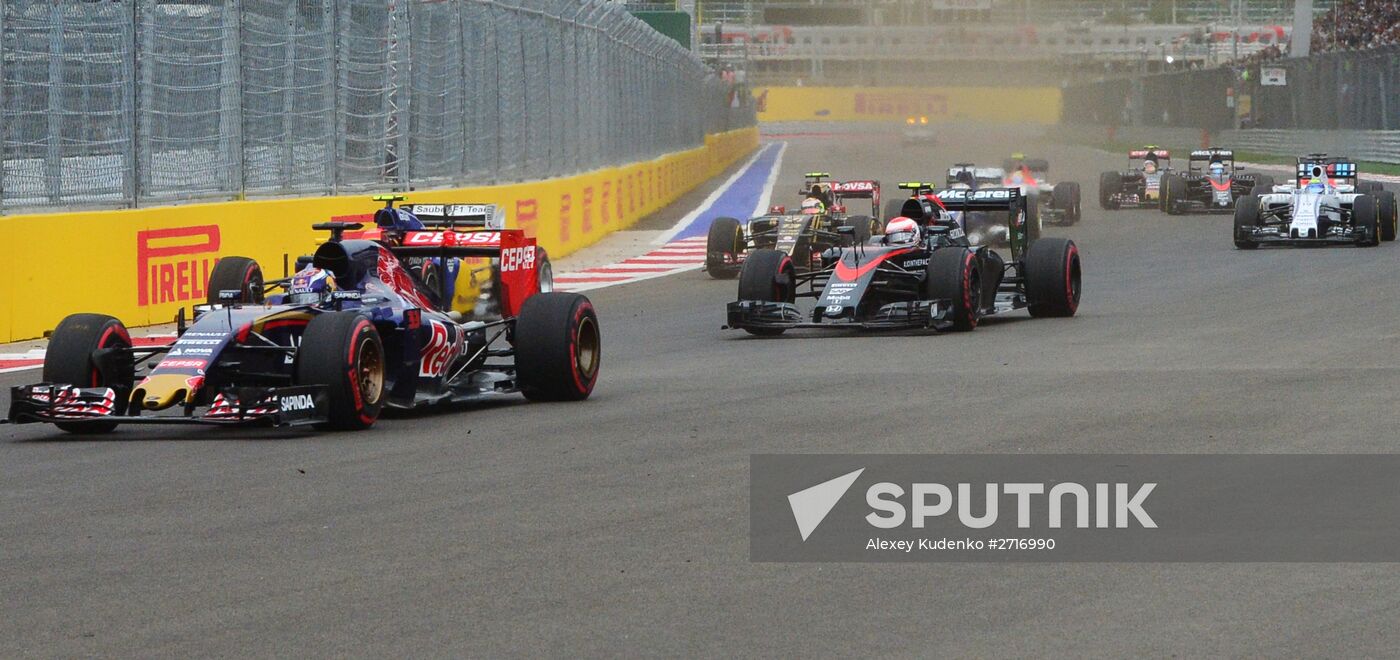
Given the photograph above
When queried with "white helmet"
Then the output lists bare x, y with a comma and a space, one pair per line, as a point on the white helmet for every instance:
902, 231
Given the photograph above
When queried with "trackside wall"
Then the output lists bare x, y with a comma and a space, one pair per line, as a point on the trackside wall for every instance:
143, 265
1026, 105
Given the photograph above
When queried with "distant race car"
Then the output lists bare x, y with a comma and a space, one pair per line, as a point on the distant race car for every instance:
1322, 206
1059, 203
1141, 184
353, 332
918, 131
803, 234
922, 273
1211, 182
982, 228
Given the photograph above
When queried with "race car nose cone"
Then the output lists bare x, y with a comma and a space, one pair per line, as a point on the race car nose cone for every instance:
162, 401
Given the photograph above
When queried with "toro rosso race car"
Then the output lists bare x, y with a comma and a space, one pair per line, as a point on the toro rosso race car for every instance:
1140, 185
922, 273
351, 333
1211, 182
802, 235
1324, 206
1059, 203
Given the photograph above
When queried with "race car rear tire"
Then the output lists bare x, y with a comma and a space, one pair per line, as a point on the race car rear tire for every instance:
1369, 187
557, 347
1066, 198
952, 274
1389, 223
544, 271
1365, 215
1263, 184
343, 352
1053, 276
1246, 216
864, 226
768, 276
1033, 224
1110, 184
893, 209
68, 361
240, 273
726, 239
1175, 195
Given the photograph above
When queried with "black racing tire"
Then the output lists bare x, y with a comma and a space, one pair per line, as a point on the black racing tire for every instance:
768, 276
1389, 224
1053, 276
953, 274
1263, 184
1246, 216
1034, 228
1369, 187
558, 347
1110, 184
726, 238
893, 209
239, 273
430, 275
1065, 196
544, 271
1365, 213
68, 361
864, 226
1176, 194
343, 351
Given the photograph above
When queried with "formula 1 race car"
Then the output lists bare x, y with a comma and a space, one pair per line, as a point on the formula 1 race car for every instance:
1141, 184
922, 273
982, 228
355, 331
917, 131
1323, 206
803, 235
1059, 203
1211, 182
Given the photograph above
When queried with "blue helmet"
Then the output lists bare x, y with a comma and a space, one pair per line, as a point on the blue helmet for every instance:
310, 286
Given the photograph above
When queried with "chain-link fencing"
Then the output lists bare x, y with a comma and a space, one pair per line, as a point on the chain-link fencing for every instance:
136, 102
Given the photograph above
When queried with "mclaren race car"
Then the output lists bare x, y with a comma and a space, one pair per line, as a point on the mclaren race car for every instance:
802, 235
1141, 184
982, 228
922, 273
1322, 206
1059, 202
351, 333
1211, 182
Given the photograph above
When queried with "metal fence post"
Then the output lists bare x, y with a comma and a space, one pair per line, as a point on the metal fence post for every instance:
4, 138
237, 180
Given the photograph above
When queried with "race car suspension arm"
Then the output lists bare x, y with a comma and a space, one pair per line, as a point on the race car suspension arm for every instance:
501, 328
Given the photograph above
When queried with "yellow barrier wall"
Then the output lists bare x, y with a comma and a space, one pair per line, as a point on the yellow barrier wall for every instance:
1035, 105
142, 265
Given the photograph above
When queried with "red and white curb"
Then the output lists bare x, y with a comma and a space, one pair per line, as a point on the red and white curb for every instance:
34, 357
677, 256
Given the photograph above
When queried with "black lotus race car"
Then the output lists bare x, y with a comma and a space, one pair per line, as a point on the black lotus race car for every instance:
803, 235
1138, 186
938, 282
1211, 182
353, 332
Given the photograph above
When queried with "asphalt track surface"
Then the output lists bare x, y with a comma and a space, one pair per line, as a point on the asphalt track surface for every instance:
619, 526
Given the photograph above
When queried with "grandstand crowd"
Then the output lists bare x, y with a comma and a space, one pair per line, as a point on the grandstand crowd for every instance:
1357, 24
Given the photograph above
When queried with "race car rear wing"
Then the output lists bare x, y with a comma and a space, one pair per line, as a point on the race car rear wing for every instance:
984, 199
480, 216
515, 250
1150, 152
1317, 166
1213, 154
868, 189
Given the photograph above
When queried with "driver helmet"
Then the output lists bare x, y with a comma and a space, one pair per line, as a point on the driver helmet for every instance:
902, 231
1316, 186
965, 177
813, 206
1217, 168
310, 287
1150, 166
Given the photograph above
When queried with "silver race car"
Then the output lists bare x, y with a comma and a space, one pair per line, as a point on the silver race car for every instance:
1325, 205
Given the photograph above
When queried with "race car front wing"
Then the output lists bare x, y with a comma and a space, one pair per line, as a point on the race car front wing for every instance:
256, 406
935, 314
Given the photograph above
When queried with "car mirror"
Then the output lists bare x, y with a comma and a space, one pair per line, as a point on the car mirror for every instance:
846, 230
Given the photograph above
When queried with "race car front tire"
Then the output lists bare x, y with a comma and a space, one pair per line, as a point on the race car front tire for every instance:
1246, 217
768, 276
1389, 223
1263, 185
1065, 196
343, 352
557, 347
723, 246
1052, 275
1365, 214
952, 274
236, 273
68, 361
1110, 184
1175, 196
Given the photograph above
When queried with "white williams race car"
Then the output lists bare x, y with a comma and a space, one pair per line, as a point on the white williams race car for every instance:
1324, 206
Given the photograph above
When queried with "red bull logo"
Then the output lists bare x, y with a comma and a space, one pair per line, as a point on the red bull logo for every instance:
173, 265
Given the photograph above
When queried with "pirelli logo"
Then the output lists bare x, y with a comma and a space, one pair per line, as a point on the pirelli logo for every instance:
173, 265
